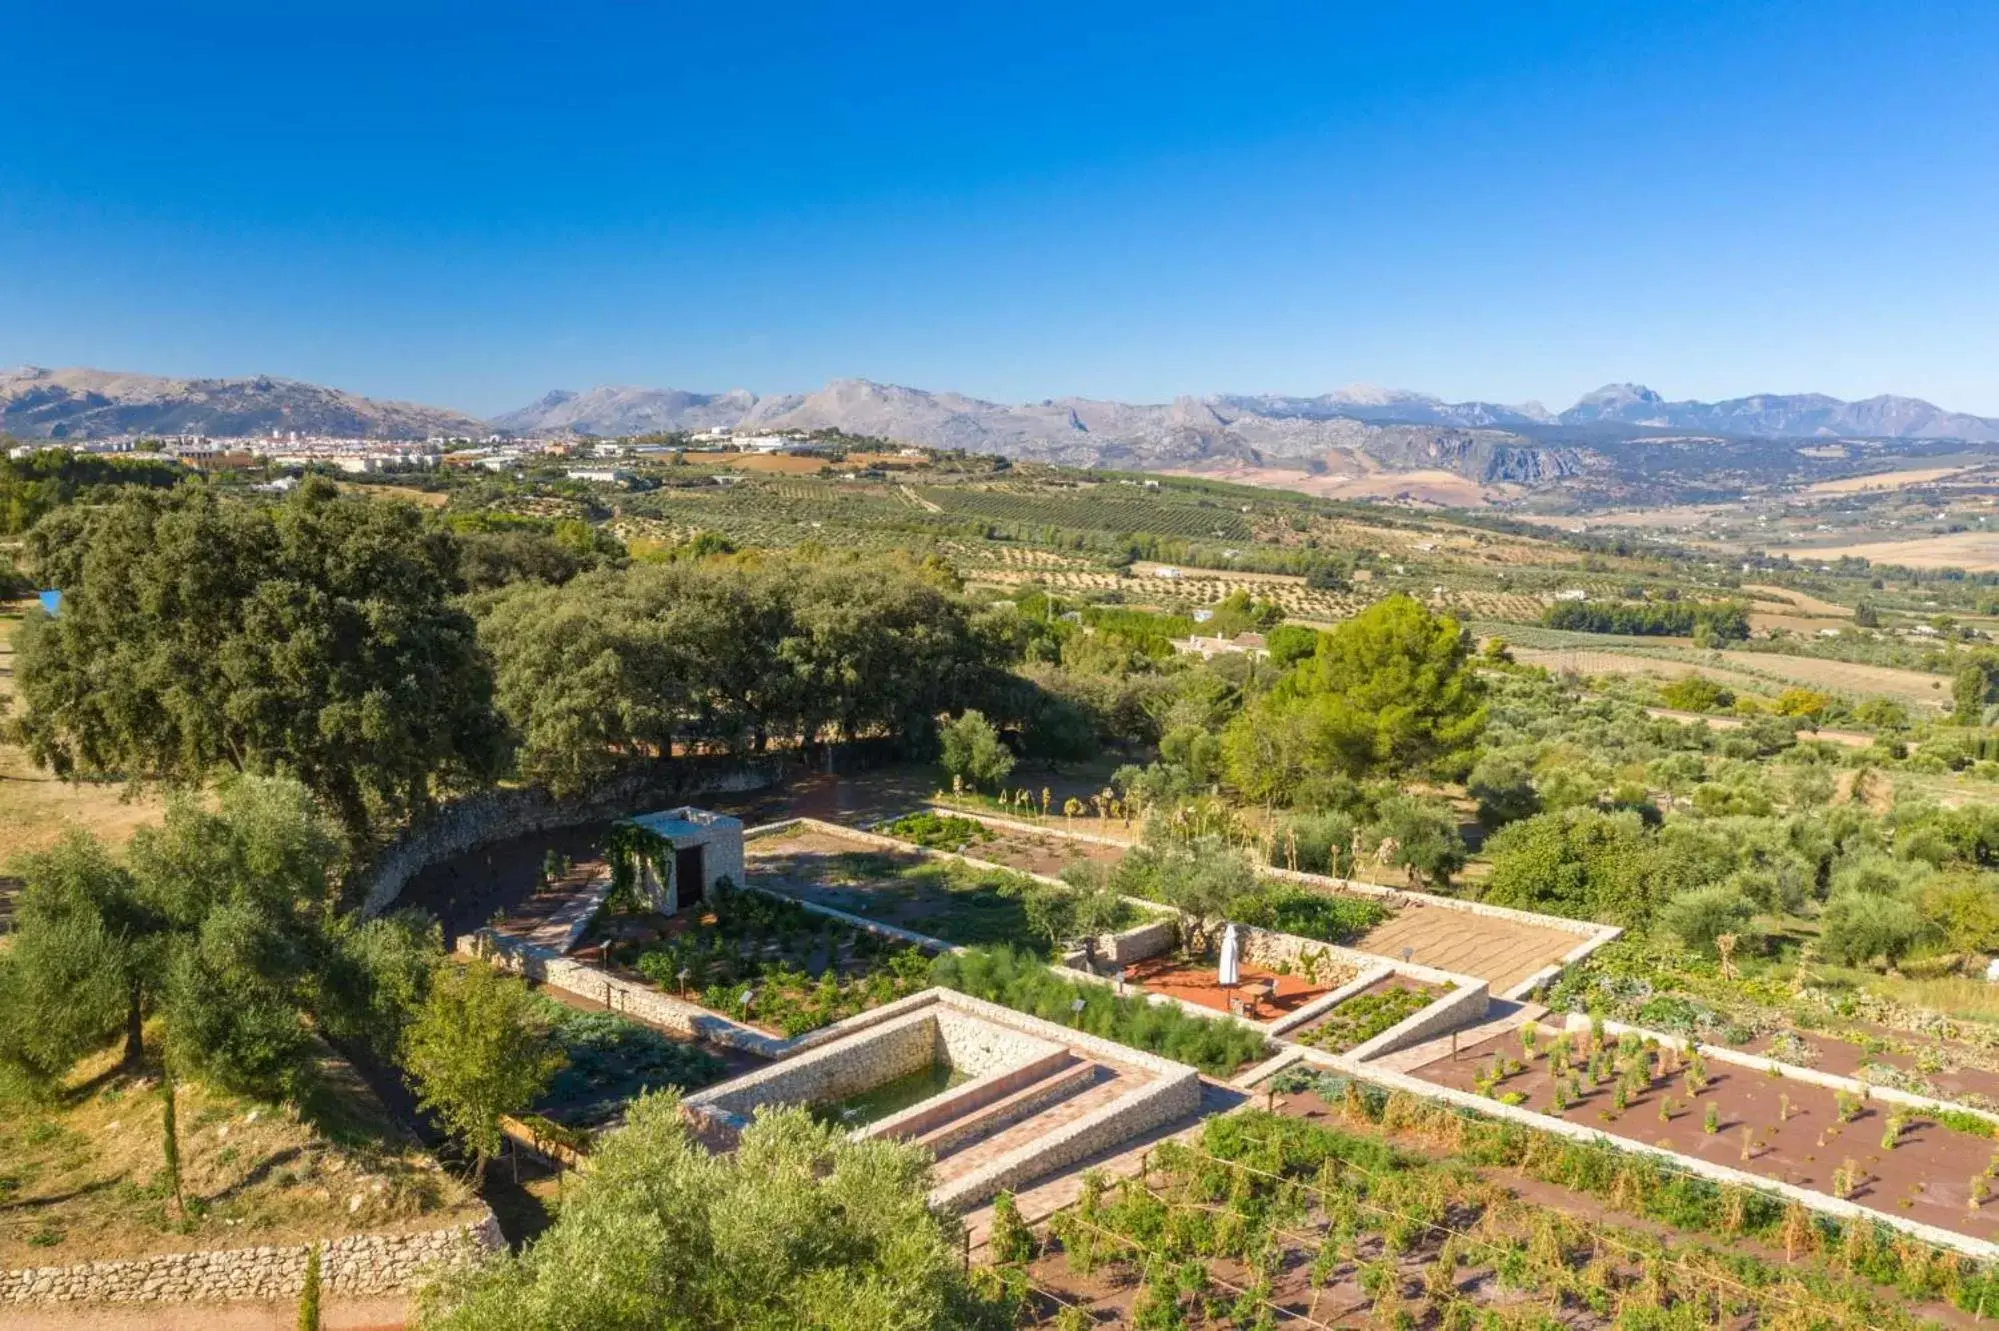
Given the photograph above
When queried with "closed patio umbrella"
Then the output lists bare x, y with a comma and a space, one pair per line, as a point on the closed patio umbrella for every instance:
1231, 973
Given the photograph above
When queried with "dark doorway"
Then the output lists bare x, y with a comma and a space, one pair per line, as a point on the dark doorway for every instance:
689, 880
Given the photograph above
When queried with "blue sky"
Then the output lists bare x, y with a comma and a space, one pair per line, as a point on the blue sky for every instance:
469, 207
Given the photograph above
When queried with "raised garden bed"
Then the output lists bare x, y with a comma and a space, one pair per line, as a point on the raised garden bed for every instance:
1270, 1220
1194, 980
940, 898
1922, 1065
1217, 1046
613, 1059
1377, 1008
1042, 852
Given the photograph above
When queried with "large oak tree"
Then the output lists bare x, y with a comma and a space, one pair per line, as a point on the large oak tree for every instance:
316, 637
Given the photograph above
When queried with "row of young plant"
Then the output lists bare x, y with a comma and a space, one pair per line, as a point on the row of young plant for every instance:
1632, 1067
1275, 1218
1643, 1187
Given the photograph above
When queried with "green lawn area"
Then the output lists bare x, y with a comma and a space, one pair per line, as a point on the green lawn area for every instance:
944, 899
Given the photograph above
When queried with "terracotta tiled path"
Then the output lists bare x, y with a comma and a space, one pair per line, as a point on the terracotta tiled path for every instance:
1499, 951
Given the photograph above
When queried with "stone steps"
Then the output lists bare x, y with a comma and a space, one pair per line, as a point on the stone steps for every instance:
1001, 1114
974, 1155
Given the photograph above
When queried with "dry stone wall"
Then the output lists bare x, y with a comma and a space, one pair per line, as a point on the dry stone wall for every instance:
358, 1264
496, 815
848, 1067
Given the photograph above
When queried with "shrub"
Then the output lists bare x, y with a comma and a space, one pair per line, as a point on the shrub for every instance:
1696, 693
973, 752
1314, 915
1699, 917
1018, 980
937, 831
1859, 927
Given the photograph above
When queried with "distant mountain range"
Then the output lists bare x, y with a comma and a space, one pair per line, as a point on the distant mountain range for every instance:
1360, 427
95, 404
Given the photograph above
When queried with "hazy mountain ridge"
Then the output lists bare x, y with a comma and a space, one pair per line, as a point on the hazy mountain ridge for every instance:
1782, 415
1359, 428
88, 404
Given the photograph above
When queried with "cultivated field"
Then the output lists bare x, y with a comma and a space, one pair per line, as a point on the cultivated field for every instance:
1883, 480
1754, 671
1972, 551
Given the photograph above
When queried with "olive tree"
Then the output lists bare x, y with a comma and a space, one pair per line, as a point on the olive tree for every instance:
478, 1050
801, 1226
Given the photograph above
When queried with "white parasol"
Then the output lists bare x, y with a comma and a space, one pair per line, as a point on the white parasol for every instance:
1231, 958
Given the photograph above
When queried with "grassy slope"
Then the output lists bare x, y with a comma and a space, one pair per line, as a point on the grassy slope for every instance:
80, 1175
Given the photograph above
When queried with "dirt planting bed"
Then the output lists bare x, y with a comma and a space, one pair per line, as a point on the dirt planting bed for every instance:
939, 898
1924, 1065
1303, 1218
1781, 1128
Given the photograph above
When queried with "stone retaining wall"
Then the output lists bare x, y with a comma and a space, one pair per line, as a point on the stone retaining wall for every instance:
977, 1047
357, 1264
498, 814
639, 1001
890, 1050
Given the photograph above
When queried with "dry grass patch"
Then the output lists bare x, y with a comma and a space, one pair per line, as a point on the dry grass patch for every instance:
81, 1176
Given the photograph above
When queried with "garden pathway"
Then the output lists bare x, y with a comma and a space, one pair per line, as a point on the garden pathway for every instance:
1499, 951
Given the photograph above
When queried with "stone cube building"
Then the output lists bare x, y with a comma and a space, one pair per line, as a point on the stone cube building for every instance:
707, 847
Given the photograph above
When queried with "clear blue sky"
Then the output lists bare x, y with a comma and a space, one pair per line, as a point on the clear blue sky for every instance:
1017, 201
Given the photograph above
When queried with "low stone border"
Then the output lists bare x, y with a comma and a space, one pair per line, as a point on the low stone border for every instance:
1132, 938
1325, 1003
1823, 1203
355, 1264
1594, 935
649, 1005
1015, 825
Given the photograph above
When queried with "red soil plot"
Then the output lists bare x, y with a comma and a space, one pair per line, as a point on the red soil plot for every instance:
1196, 983
1926, 1176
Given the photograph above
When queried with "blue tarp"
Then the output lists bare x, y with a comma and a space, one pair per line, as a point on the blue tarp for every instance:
51, 601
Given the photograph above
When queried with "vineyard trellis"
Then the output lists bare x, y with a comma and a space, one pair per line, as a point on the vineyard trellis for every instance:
1651, 1261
